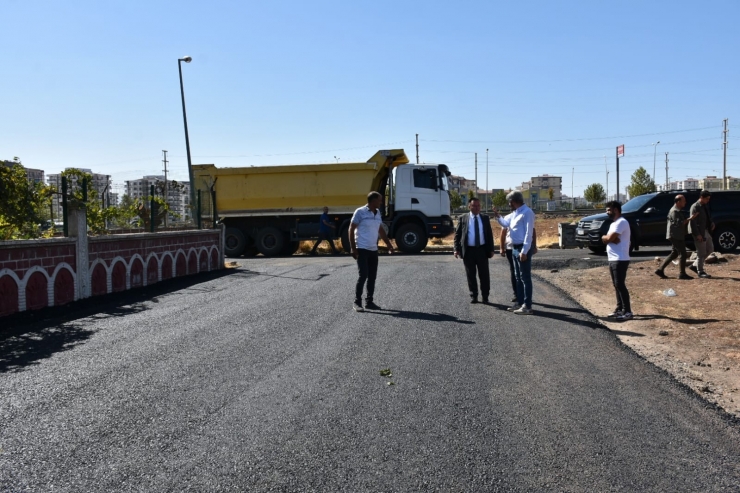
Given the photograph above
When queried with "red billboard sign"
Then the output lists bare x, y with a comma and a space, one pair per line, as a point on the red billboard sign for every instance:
620, 150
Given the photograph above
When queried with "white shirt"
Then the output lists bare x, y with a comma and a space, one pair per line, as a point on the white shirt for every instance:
368, 226
521, 226
621, 250
472, 220
508, 244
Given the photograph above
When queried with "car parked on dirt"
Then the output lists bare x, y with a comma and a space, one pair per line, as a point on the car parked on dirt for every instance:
647, 217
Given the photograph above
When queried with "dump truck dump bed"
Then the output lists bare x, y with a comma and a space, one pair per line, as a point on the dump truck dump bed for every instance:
296, 188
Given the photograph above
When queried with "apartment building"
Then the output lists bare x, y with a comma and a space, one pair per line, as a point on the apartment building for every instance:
178, 198
34, 175
100, 183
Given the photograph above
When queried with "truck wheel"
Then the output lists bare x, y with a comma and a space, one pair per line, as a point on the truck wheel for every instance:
411, 238
727, 239
345, 240
270, 241
235, 242
598, 249
290, 248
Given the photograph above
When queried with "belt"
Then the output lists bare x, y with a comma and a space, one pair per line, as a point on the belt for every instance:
518, 245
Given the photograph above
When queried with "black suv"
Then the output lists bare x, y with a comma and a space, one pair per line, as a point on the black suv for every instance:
647, 215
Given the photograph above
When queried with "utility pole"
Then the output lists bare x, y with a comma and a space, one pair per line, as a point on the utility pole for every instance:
724, 159
476, 174
606, 167
572, 193
666, 172
165, 187
488, 191
618, 198
417, 148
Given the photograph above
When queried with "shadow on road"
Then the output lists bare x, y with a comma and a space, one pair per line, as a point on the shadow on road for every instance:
681, 320
429, 317
30, 336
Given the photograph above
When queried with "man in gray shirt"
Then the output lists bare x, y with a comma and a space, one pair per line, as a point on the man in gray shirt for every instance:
701, 227
676, 233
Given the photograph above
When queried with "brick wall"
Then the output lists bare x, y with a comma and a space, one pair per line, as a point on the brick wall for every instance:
38, 273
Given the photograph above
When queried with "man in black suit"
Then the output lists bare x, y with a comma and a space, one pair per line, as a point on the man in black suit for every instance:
474, 241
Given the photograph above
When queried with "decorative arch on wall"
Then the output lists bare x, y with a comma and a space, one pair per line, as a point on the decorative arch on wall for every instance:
38, 289
9, 292
99, 280
64, 282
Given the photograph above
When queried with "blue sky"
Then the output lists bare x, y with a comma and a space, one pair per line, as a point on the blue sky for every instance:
547, 87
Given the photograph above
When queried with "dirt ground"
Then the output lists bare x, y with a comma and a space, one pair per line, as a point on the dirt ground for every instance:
694, 335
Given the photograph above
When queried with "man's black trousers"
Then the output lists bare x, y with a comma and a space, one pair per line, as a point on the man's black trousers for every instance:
367, 266
618, 270
476, 259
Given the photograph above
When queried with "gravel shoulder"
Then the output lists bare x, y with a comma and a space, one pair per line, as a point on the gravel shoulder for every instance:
695, 335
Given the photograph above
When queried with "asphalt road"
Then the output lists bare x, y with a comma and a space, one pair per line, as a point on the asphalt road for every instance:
264, 379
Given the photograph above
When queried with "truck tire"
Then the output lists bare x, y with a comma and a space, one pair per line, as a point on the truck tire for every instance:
290, 248
598, 249
235, 242
270, 241
726, 239
411, 238
250, 252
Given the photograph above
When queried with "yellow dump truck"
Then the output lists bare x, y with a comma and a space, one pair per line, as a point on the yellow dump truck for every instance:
270, 209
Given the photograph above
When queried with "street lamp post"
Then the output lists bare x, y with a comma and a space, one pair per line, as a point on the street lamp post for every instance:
187, 59
655, 150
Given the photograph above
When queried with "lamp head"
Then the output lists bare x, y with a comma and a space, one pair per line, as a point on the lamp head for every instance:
186, 59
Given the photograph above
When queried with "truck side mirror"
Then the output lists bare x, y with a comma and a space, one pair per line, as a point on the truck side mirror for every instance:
651, 210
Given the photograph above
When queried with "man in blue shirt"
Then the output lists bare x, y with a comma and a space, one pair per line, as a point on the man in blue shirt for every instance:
521, 229
326, 232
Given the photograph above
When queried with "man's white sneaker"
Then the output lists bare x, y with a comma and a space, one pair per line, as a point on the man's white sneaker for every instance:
524, 311
615, 314
357, 306
514, 307
625, 316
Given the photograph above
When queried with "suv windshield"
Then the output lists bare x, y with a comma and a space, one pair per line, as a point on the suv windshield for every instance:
636, 203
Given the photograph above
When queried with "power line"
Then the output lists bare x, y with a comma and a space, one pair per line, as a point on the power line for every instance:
568, 140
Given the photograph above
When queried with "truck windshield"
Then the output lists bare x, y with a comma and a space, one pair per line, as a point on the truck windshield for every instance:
636, 203
444, 173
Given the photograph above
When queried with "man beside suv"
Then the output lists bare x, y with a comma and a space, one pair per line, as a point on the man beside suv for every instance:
701, 227
676, 234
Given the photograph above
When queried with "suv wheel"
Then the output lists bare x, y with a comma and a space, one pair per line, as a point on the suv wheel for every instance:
727, 239
598, 248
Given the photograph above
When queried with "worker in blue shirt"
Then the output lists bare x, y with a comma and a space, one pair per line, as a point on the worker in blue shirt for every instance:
326, 232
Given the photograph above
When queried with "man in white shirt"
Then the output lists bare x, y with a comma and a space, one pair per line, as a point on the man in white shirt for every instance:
617, 241
366, 226
520, 224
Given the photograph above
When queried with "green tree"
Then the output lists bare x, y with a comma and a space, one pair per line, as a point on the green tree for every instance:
499, 199
594, 193
550, 193
22, 203
455, 199
471, 195
642, 183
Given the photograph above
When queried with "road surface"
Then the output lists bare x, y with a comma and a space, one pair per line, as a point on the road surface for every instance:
264, 379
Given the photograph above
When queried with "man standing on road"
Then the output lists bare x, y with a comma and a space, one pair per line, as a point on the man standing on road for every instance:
617, 241
326, 232
474, 242
366, 226
521, 228
701, 227
505, 240
677, 231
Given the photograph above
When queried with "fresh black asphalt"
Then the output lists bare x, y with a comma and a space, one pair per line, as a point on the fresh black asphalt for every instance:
264, 379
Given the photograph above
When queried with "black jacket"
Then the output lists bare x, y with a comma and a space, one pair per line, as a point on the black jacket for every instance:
461, 234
